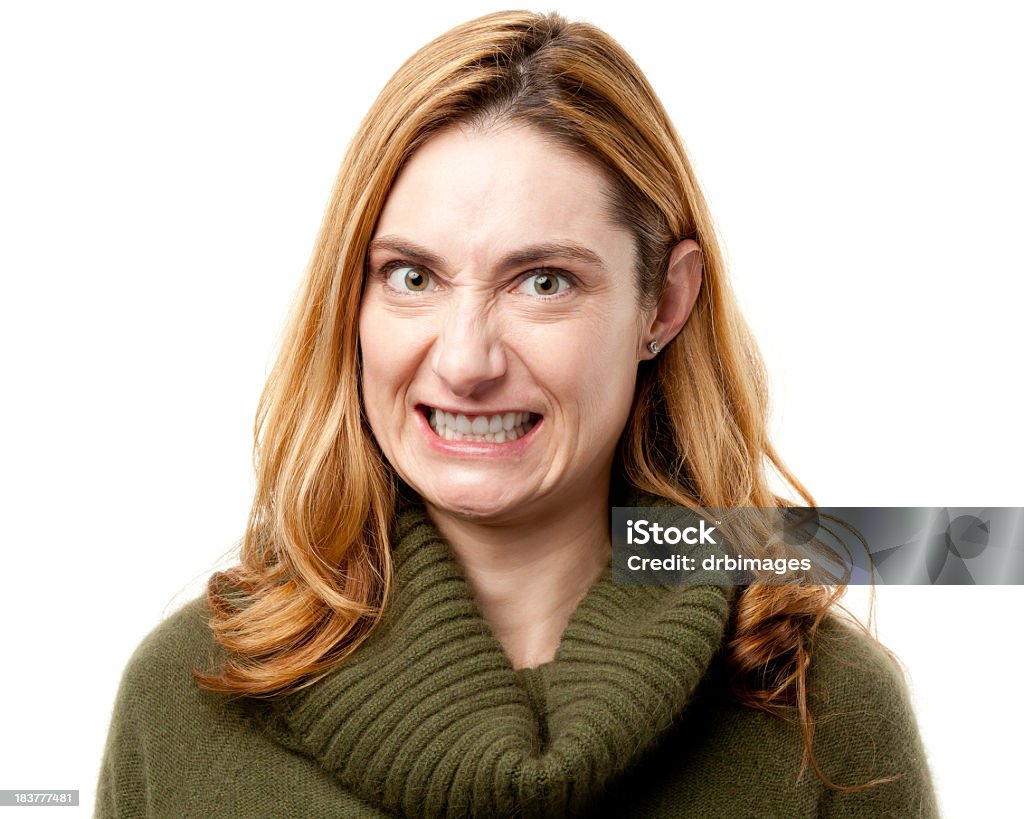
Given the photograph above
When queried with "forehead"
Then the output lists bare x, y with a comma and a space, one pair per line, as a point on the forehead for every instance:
474, 194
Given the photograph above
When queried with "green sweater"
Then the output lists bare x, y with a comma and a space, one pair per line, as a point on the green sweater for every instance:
631, 719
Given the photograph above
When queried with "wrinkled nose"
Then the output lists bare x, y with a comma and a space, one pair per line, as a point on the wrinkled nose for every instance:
468, 354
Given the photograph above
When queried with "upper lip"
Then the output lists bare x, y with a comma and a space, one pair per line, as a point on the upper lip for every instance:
477, 411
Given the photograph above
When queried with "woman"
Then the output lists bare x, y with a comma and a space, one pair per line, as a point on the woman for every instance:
515, 317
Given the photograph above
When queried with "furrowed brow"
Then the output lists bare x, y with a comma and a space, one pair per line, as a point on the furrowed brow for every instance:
553, 250
407, 250
518, 258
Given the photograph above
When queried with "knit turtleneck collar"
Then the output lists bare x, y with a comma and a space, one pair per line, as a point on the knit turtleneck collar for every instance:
429, 718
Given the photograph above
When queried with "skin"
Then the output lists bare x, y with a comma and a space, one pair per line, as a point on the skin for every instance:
457, 314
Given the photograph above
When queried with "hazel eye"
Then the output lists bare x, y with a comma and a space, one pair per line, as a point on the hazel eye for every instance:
411, 278
546, 283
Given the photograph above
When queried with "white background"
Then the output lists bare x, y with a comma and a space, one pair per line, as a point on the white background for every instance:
163, 170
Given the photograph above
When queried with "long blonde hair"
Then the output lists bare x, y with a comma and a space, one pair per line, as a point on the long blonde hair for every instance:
315, 568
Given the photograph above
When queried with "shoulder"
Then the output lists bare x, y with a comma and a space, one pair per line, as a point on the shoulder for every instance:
158, 693
165, 656
163, 723
850, 672
864, 726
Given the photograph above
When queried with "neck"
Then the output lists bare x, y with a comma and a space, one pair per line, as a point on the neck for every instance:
528, 575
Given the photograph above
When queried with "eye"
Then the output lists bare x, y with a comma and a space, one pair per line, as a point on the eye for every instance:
544, 283
410, 278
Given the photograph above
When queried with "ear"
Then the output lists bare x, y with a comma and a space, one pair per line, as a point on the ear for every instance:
682, 284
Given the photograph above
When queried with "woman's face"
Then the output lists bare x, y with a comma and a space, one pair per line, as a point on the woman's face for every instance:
499, 326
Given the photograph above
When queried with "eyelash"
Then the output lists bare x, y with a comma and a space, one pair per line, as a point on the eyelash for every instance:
385, 274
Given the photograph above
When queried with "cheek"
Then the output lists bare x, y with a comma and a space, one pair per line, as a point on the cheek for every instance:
391, 351
368, 348
594, 370
379, 367
610, 385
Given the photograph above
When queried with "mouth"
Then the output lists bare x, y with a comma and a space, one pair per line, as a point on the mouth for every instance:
495, 428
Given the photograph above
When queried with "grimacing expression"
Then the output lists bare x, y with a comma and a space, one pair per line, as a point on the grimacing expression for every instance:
499, 328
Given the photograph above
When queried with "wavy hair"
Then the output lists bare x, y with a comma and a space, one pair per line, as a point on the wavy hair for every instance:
315, 568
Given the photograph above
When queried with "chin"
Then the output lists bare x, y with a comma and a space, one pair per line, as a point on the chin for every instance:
471, 502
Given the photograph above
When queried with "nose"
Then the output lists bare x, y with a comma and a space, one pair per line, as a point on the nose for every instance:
468, 353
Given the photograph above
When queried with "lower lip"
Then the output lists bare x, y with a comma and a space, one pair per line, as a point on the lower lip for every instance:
475, 449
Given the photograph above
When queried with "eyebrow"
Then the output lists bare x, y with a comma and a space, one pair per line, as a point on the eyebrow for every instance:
517, 258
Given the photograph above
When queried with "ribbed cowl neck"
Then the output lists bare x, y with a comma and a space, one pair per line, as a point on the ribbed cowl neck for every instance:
428, 718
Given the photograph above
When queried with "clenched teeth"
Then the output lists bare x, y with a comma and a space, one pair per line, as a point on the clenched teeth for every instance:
498, 429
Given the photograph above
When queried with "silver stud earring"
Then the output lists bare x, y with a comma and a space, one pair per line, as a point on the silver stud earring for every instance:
654, 347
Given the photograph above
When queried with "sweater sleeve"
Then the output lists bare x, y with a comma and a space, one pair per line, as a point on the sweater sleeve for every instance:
122, 789
147, 749
865, 729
